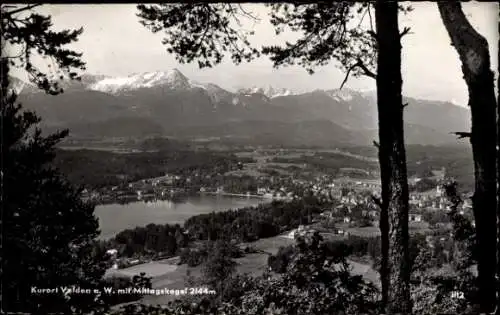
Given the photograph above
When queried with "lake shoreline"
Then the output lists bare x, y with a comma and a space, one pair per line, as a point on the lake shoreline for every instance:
245, 196
115, 218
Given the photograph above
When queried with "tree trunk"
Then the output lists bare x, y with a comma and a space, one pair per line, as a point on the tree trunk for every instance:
395, 267
498, 185
474, 55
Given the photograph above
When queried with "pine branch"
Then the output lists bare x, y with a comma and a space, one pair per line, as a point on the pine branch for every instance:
462, 135
28, 7
361, 65
366, 71
248, 14
405, 31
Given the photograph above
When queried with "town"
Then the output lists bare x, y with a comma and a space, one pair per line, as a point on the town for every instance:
348, 210
250, 158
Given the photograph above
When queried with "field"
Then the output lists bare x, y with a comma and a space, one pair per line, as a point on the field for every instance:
152, 269
271, 245
372, 231
263, 161
175, 277
288, 162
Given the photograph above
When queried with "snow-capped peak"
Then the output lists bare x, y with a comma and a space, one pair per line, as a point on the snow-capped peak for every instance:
344, 95
172, 78
215, 92
278, 92
270, 91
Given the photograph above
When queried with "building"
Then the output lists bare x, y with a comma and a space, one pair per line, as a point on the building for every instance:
467, 204
268, 195
261, 191
439, 191
291, 234
112, 252
415, 217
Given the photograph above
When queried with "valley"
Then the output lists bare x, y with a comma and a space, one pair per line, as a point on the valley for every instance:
160, 155
168, 104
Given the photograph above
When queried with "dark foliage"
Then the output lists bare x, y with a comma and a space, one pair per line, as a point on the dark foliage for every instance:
98, 169
30, 35
327, 36
435, 217
317, 281
153, 239
201, 32
250, 224
432, 288
219, 266
49, 231
424, 185
193, 256
199, 254
279, 262
111, 286
204, 32
359, 247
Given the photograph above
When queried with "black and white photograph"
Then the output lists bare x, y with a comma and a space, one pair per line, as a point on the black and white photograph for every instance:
232, 158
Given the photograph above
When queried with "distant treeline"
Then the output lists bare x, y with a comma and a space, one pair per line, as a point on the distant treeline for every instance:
245, 225
250, 224
97, 169
153, 239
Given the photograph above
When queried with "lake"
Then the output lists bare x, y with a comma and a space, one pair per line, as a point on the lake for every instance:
114, 218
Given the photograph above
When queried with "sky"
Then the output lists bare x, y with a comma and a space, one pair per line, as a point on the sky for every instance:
115, 43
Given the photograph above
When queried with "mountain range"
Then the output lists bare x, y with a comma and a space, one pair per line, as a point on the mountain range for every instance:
167, 103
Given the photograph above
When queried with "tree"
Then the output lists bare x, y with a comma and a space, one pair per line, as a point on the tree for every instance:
392, 157
425, 184
204, 32
317, 280
432, 289
498, 190
25, 36
473, 51
180, 237
279, 262
219, 266
49, 232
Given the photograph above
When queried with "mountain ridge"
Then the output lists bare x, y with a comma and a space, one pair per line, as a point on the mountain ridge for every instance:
173, 102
